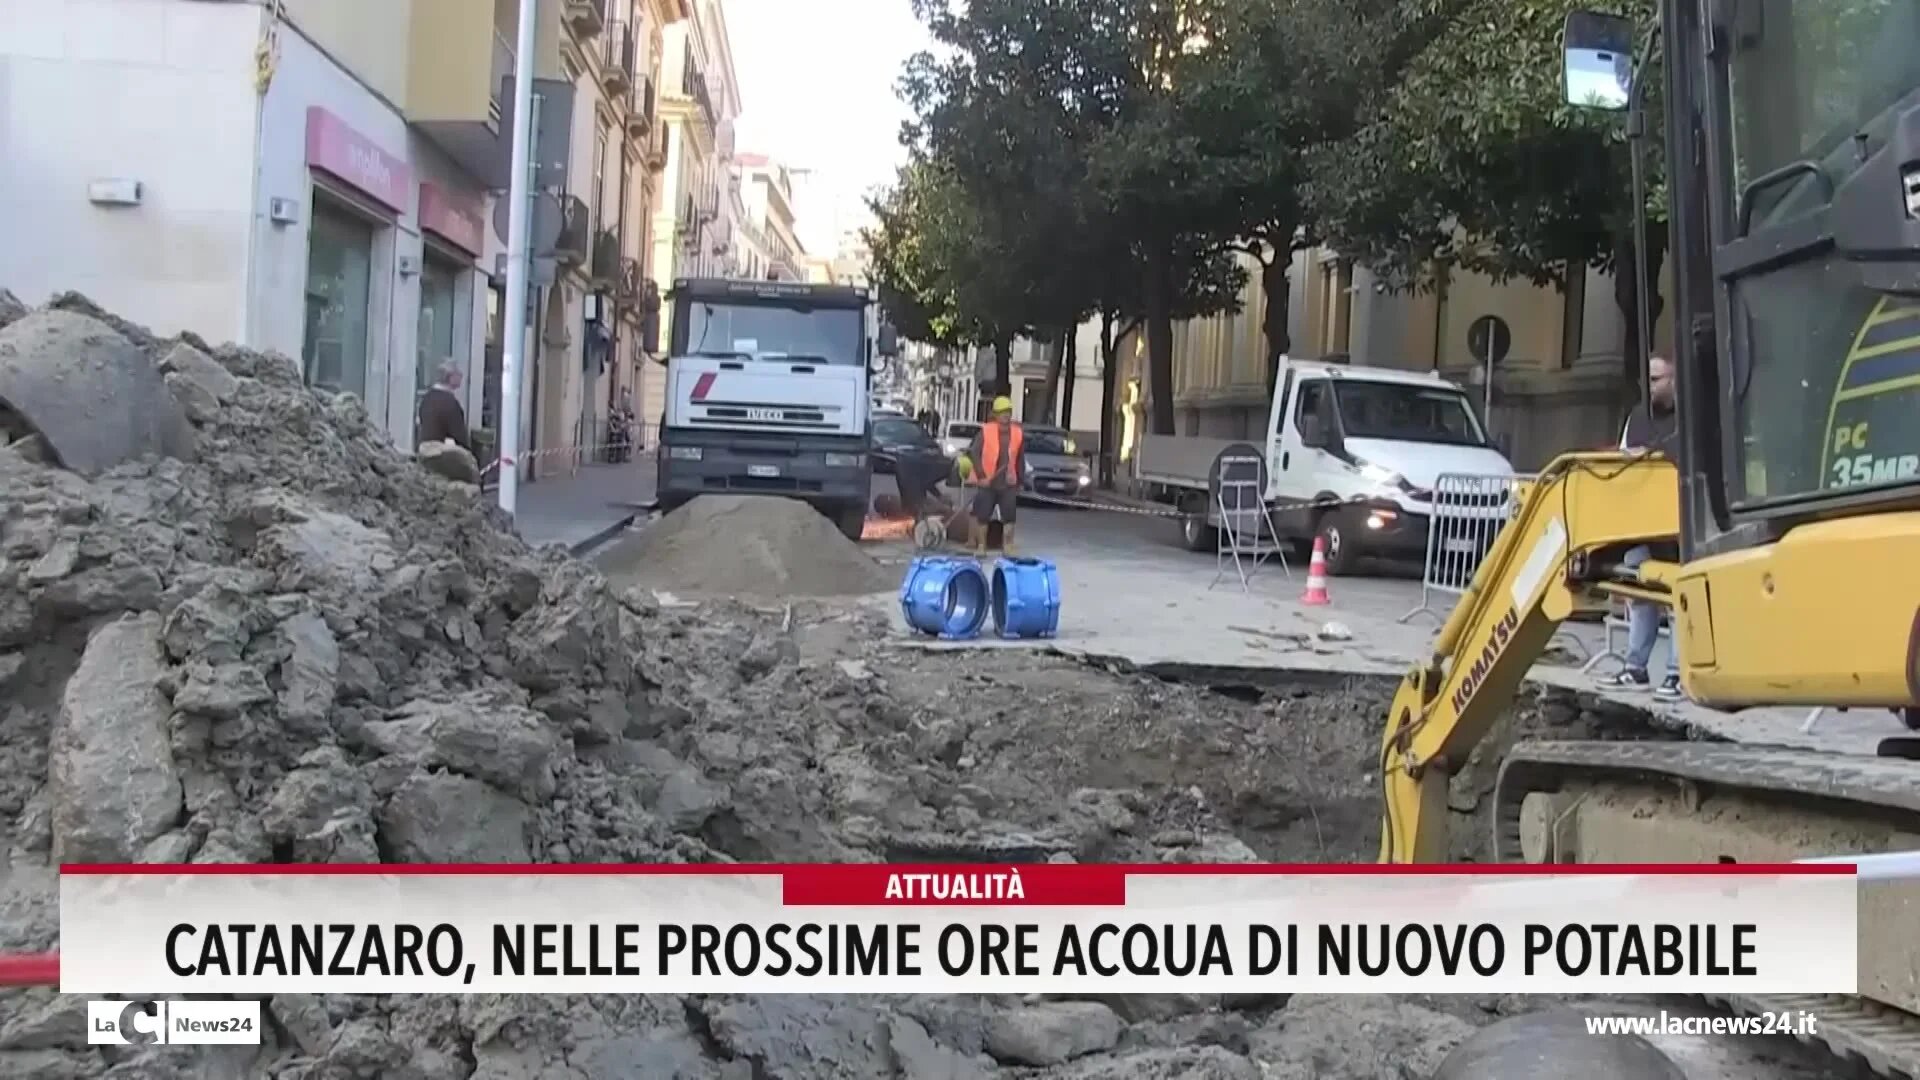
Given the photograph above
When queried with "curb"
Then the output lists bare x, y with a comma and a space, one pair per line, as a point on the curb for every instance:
579, 550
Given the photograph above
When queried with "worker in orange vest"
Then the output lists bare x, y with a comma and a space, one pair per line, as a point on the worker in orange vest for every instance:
999, 456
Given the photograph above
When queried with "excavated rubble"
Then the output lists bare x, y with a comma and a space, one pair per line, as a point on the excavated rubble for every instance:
300, 645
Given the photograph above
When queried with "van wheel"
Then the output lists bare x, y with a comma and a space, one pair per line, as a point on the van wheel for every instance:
1335, 534
1197, 535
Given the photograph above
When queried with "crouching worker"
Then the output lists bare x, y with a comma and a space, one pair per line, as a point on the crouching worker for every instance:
999, 459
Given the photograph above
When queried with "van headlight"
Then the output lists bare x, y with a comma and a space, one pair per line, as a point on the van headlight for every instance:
684, 453
842, 461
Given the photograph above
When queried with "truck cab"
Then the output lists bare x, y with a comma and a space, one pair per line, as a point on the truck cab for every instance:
768, 387
1377, 440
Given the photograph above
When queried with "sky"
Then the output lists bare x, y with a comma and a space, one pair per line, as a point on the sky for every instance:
817, 92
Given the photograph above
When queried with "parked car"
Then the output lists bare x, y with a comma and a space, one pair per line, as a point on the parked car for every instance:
1054, 464
894, 437
958, 437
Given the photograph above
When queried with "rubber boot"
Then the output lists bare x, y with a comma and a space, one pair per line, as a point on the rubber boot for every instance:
1006, 541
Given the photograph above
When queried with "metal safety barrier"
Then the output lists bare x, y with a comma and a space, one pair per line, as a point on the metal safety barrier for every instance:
1469, 510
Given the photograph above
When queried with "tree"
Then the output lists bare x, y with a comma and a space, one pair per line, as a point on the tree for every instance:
1473, 160
1054, 115
909, 284
1271, 82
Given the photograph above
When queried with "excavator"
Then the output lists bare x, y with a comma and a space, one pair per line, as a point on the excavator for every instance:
1786, 526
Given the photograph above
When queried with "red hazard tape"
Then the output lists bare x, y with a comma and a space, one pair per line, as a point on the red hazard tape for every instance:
30, 969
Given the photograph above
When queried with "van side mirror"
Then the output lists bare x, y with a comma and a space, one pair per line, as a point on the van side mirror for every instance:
1314, 434
889, 344
1598, 51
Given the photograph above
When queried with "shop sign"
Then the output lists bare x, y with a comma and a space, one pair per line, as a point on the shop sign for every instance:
455, 218
356, 159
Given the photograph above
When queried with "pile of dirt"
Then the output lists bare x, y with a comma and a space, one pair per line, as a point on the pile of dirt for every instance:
300, 645
748, 546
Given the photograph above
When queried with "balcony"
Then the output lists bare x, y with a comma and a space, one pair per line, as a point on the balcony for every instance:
605, 266
693, 86
460, 73
629, 285
587, 17
618, 51
657, 150
640, 108
571, 247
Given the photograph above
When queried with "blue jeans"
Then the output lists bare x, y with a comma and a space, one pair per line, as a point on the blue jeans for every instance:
1643, 625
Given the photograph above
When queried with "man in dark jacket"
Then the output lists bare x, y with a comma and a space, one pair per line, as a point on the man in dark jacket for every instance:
442, 417
1655, 429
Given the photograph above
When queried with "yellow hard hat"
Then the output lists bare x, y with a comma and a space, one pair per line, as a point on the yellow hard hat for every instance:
1002, 404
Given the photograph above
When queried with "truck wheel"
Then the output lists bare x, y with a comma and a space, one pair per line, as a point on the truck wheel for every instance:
852, 520
1336, 536
1197, 535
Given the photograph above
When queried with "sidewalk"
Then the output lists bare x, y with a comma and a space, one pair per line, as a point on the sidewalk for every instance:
583, 508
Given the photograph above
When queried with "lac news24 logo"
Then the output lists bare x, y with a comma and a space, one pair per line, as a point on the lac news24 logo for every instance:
145, 1023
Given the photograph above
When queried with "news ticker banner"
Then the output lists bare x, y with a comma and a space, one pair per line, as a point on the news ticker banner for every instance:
385, 928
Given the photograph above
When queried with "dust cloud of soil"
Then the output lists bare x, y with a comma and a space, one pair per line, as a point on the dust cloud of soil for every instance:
302, 646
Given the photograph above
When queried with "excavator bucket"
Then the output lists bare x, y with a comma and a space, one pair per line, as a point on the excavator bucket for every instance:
93, 397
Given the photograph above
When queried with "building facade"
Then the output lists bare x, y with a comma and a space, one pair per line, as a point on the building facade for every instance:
1556, 387
769, 245
329, 200
695, 202
595, 318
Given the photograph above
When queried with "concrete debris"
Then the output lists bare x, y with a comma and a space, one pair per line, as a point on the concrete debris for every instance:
1052, 1032
749, 546
112, 779
94, 396
297, 643
450, 460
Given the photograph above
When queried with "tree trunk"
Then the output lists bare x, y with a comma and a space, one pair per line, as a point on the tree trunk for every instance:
1159, 297
1003, 365
1626, 296
1066, 378
1274, 273
1109, 420
1048, 413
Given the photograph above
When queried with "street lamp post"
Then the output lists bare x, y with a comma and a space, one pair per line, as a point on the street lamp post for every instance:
519, 257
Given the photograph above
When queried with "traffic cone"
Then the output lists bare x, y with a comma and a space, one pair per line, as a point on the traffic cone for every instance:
1316, 593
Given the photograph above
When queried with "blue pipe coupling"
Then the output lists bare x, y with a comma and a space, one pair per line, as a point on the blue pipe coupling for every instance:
945, 597
1026, 598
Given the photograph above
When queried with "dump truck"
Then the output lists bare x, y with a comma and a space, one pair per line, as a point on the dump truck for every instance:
768, 393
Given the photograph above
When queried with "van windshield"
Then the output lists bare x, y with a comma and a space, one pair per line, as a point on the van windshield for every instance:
1409, 413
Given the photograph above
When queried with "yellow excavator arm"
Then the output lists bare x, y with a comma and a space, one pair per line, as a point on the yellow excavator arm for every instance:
1828, 614
1581, 506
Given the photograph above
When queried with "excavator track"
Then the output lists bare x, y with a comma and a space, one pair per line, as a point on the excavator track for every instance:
1754, 803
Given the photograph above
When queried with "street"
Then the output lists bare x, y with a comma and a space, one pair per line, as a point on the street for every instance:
1132, 594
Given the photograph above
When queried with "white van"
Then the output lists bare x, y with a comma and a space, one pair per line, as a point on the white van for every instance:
1371, 439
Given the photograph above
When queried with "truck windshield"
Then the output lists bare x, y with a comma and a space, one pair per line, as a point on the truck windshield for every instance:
1409, 413
775, 332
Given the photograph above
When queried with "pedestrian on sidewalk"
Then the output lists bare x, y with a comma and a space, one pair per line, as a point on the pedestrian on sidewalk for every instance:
1653, 429
442, 417
999, 456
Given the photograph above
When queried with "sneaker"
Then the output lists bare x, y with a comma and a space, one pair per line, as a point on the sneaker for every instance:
1627, 680
1669, 689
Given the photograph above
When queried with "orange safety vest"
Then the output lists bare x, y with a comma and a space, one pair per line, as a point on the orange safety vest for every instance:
989, 464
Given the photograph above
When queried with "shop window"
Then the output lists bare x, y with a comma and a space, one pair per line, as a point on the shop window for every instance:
339, 280
439, 282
